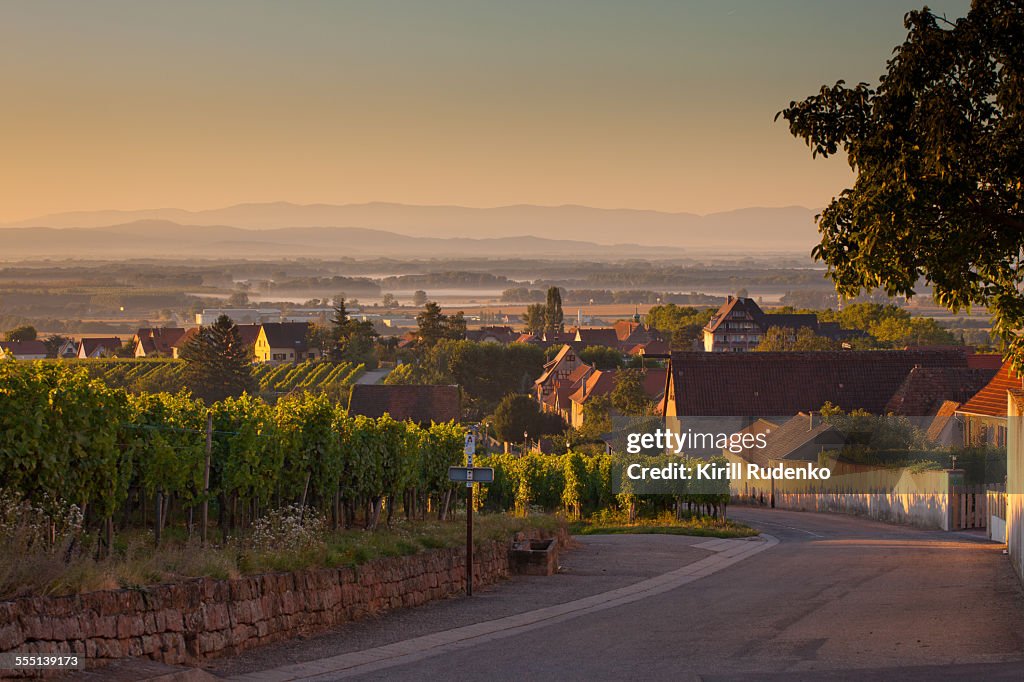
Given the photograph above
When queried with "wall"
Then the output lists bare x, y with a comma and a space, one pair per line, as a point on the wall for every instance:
202, 618
894, 495
1015, 480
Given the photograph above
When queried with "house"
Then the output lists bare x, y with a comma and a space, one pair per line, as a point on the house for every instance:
652, 347
945, 428
786, 383
24, 350
104, 347
284, 342
799, 439
418, 403
182, 341
68, 350
984, 414
740, 325
599, 336
632, 333
602, 382
557, 369
559, 400
249, 333
156, 342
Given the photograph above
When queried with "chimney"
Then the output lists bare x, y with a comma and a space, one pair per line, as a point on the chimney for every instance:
810, 420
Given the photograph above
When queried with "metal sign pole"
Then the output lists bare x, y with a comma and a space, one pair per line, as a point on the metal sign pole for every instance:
470, 450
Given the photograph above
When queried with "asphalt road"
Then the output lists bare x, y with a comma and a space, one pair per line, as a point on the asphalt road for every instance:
837, 598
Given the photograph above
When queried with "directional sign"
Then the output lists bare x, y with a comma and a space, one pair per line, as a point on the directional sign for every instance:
471, 474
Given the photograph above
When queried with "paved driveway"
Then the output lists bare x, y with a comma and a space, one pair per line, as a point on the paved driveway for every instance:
836, 598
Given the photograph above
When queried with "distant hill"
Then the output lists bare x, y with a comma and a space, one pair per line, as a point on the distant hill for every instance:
789, 229
166, 239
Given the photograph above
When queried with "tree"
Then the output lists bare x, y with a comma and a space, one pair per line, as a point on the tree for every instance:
628, 396
23, 333
533, 318
785, 339
518, 414
352, 340
435, 325
601, 357
419, 298
553, 316
53, 344
339, 317
218, 364
938, 152
432, 323
455, 326
389, 301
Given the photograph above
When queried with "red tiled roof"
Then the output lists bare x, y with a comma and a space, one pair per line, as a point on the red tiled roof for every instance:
654, 382
185, 338
23, 348
925, 389
991, 361
626, 328
603, 382
249, 333
991, 400
785, 383
603, 336
158, 339
90, 346
734, 303
653, 347
421, 404
550, 366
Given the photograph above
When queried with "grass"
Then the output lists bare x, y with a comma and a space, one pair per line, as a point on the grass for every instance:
136, 563
664, 524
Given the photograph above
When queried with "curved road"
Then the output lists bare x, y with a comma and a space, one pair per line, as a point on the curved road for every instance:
836, 598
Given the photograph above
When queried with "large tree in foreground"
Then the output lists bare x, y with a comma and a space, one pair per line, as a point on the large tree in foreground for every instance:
938, 152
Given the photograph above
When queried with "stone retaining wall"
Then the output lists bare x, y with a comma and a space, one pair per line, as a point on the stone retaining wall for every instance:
202, 618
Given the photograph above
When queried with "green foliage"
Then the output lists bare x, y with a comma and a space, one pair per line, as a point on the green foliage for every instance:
433, 325
936, 148
22, 333
553, 316
485, 371
628, 396
519, 414
65, 437
803, 339
533, 318
218, 363
602, 357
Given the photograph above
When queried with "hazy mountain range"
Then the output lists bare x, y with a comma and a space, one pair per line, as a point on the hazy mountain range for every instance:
385, 229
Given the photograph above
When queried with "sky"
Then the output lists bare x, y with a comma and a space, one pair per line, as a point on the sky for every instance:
650, 104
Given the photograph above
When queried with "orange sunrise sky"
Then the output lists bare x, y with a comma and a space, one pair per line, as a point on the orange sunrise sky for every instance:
643, 104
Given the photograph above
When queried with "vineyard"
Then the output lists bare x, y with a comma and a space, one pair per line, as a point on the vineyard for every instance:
144, 460
273, 381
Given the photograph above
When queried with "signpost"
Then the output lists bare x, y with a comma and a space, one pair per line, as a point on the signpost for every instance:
470, 475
